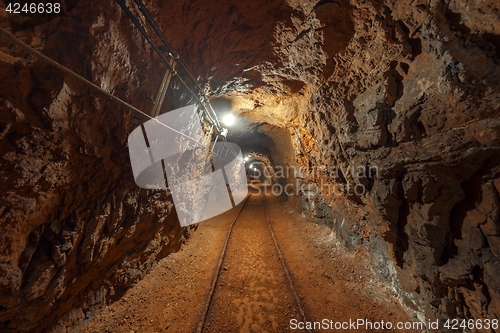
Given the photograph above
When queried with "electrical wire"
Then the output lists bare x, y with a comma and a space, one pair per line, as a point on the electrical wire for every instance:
175, 56
71, 73
144, 33
203, 101
201, 98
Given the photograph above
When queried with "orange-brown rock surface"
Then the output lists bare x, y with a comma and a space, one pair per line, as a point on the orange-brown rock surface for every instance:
409, 89
75, 229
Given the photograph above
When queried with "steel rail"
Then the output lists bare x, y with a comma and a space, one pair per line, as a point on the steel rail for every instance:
285, 268
216, 275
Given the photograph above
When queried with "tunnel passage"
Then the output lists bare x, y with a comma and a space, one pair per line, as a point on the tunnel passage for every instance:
260, 141
409, 89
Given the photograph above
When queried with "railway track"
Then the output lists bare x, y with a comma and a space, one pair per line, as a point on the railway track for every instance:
252, 289
231, 277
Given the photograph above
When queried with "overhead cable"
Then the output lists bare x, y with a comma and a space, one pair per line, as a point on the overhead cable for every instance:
200, 97
71, 73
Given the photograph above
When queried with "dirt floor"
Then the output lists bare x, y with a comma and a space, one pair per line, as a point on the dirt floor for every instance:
252, 293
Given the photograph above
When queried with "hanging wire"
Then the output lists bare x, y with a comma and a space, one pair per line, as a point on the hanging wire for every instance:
178, 60
176, 57
201, 96
71, 73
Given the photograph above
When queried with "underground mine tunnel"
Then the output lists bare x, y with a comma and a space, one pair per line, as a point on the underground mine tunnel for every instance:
369, 145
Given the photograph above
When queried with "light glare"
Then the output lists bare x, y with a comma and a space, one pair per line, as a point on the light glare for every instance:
228, 120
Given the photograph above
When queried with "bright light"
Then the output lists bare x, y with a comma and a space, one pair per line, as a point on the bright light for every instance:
246, 159
228, 119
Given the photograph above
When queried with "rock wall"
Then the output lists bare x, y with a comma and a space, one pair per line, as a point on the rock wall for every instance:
400, 130
75, 230
414, 95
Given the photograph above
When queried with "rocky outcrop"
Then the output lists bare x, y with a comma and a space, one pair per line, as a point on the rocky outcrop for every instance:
75, 230
400, 133
416, 98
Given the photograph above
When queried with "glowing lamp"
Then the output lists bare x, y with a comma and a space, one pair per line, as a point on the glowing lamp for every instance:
228, 120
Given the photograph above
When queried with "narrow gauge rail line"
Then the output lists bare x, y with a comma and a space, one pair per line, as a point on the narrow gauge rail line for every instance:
217, 273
